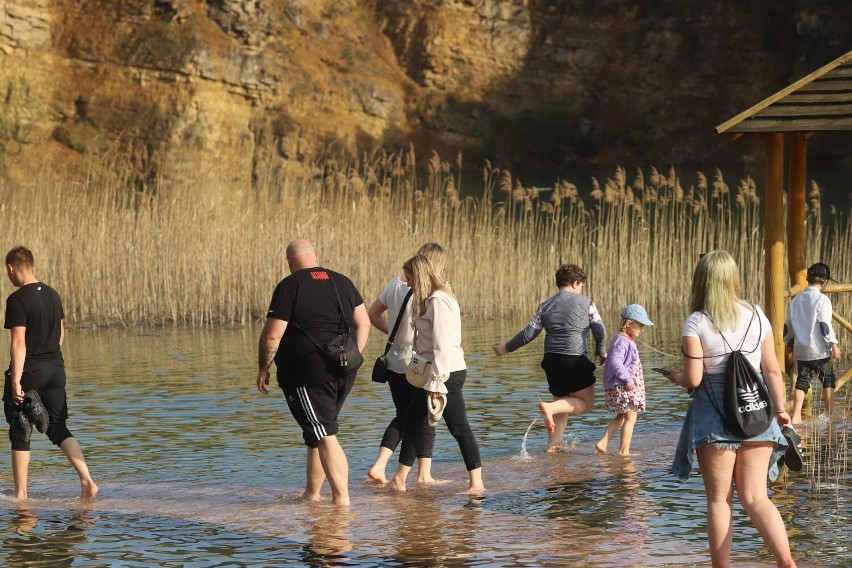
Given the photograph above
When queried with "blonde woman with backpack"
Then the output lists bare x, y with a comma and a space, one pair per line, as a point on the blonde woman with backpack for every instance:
719, 318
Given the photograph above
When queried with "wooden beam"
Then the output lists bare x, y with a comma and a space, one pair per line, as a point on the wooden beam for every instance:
842, 380
773, 231
806, 111
830, 288
800, 97
793, 124
843, 322
796, 209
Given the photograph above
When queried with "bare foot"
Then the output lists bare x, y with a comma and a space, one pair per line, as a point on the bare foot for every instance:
340, 501
476, 489
394, 485
377, 476
600, 447
309, 496
548, 417
88, 490
624, 454
433, 481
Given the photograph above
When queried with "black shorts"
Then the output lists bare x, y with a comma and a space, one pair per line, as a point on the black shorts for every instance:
822, 368
316, 407
48, 379
567, 374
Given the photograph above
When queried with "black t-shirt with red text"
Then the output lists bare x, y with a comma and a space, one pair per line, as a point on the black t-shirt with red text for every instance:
38, 308
307, 297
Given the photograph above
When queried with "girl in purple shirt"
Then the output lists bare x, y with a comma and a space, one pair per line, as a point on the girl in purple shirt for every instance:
624, 384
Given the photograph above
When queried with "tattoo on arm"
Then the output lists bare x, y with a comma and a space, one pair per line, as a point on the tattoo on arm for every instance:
265, 356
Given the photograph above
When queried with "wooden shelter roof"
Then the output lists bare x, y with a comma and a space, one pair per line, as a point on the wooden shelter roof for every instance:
821, 100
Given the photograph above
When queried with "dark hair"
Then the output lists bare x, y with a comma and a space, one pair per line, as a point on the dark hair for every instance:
567, 274
20, 256
818, 272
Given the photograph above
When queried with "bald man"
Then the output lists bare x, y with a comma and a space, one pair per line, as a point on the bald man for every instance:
321, 304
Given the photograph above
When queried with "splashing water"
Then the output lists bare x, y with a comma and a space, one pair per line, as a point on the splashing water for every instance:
525, 455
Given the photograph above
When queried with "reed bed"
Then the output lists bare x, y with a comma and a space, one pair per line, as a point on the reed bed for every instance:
211, 253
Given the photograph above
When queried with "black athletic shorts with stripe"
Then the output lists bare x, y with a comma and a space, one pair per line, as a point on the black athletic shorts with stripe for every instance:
316, 407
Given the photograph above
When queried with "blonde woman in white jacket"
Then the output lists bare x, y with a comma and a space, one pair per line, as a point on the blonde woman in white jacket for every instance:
437, 323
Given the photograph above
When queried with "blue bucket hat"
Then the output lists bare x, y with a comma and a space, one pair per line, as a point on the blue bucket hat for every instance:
636, 313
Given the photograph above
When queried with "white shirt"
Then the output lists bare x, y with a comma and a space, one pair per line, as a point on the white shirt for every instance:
400, 352
808, 325
439, 339
716, 351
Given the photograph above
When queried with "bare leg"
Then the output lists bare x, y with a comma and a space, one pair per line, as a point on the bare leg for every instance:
476, 485
555, 438
336, 469
627, 432
750, 475
397, 483
556, 413
828, 402
377, 472
611, 428
71, 448
798, 402
314, 475
424, 470
717, 469
20, 471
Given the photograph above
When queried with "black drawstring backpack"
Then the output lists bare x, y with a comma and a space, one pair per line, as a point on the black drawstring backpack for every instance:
748, 408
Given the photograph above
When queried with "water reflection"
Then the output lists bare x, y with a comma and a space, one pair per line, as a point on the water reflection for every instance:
328, 540
51, 541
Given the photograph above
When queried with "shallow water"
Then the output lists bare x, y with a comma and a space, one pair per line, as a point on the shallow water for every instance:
198, 469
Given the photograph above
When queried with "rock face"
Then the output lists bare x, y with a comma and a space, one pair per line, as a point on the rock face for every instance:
199, 88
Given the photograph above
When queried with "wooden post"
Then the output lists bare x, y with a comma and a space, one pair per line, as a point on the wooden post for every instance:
796, 209
774, 239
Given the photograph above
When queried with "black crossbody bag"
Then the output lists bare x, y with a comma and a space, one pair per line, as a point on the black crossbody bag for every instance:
380, 367
343, 349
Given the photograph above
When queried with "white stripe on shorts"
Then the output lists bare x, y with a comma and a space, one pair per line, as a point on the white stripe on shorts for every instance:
319, 429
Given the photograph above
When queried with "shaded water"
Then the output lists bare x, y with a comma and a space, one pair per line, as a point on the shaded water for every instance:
197, 469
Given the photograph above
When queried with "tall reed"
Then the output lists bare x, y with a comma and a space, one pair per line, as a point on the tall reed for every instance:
197, 254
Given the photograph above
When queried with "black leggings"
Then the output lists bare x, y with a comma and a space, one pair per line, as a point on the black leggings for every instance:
48, 379
417, 428
401, 393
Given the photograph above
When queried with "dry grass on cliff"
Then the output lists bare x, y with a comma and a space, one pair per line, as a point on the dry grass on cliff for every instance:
212, 254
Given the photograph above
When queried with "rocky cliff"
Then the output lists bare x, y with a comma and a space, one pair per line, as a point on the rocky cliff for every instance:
201, 87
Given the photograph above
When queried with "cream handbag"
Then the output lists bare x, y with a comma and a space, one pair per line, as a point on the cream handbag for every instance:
417, 373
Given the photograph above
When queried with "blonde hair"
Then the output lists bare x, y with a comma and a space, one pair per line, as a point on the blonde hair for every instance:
426, 281
436, 255
716, 290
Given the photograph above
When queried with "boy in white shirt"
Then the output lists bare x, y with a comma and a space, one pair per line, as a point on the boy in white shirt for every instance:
809, 332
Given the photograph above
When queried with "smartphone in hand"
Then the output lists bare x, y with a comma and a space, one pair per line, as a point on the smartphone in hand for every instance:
663, 372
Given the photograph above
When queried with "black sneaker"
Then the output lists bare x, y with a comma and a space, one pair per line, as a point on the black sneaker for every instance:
20, 428
793, 455
35, 410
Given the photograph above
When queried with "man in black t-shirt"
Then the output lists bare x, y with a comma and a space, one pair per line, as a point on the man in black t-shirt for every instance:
320, 304
34, 316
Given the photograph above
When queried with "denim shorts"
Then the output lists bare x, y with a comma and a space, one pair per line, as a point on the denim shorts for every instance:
704, 424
